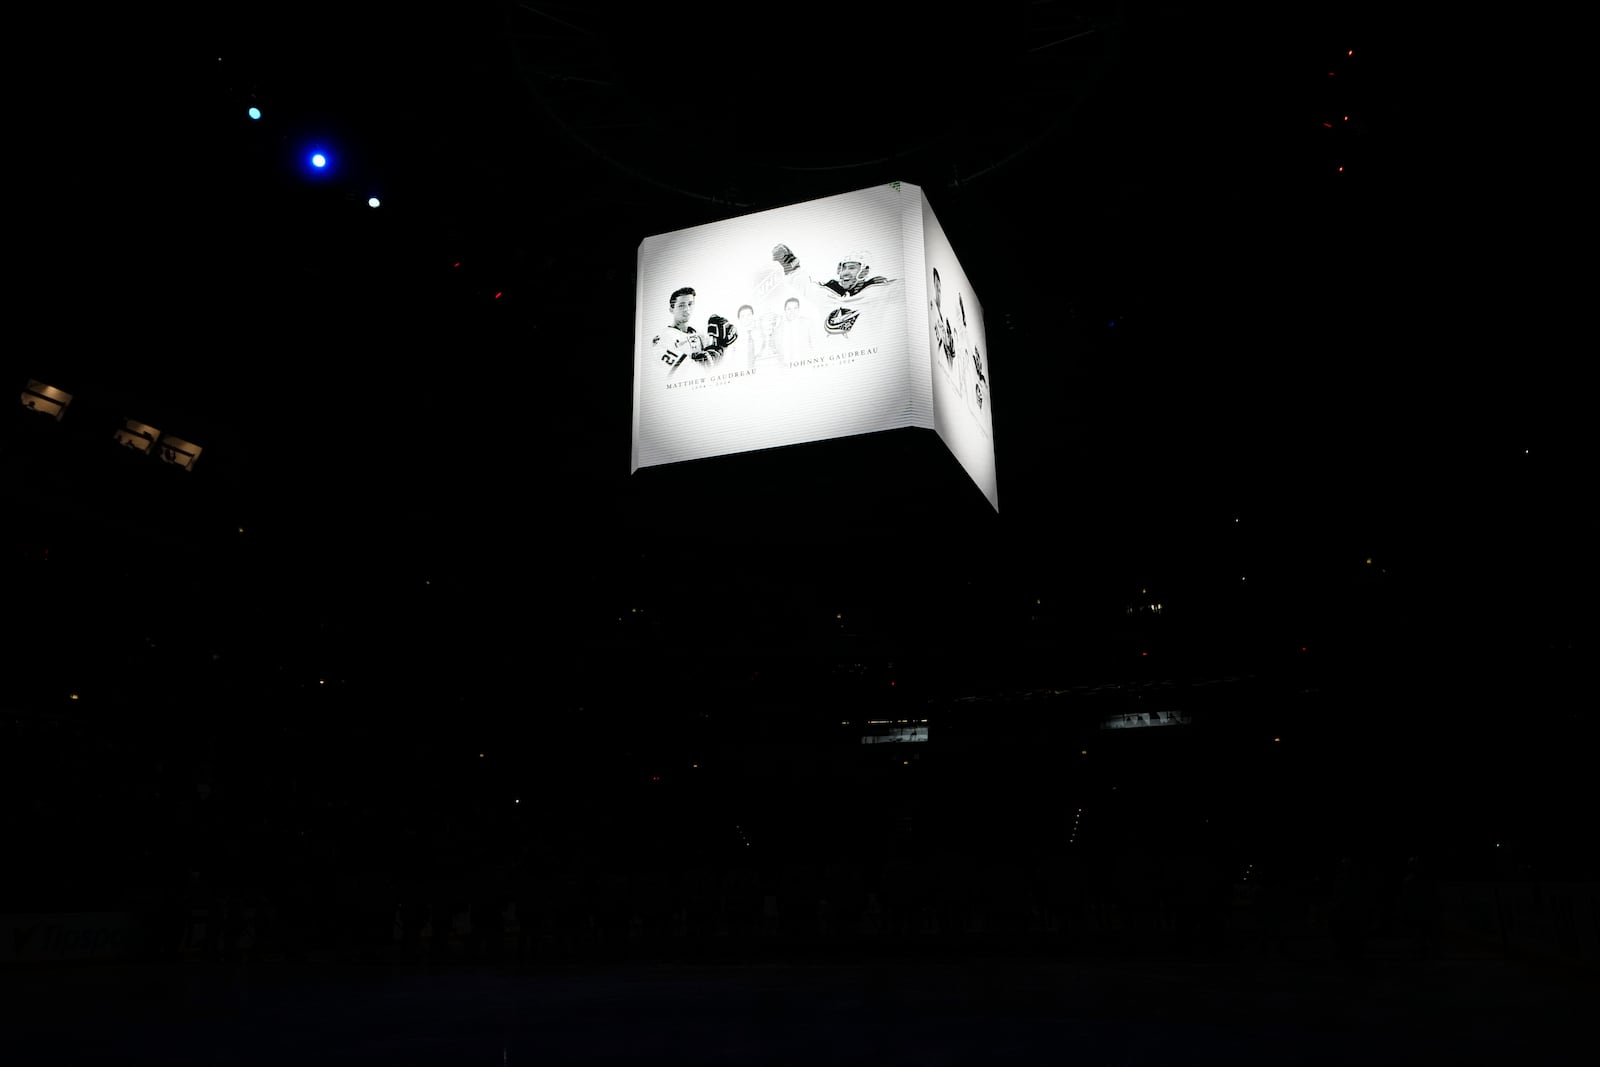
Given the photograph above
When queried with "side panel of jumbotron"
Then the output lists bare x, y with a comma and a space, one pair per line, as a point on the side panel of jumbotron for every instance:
958, 360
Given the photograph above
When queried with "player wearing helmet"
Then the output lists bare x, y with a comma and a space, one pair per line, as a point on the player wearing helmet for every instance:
854, 286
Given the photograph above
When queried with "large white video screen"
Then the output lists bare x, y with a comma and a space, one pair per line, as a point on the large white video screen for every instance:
779, 327
963, 403
836, 317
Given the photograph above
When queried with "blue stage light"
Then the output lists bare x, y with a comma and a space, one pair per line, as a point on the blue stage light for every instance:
255, 112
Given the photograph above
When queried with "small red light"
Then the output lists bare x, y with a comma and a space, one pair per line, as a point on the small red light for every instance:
1328, 124
497, 296
1351, 52
1330, 73
1144, 653
1302, 648
655, 778
1341, 170
1347, 118
456, 264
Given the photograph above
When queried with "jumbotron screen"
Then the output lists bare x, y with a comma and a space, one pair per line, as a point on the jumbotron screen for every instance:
841, 316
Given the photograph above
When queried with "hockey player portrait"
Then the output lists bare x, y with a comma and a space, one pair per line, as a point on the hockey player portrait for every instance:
753, 347
944, 341
981, 386
854, 287
679, 343
970, 379
964, 362
792, 336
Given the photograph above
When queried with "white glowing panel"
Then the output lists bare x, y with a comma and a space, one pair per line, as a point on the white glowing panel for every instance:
803, 323
1142, 719
897, 735
963, 405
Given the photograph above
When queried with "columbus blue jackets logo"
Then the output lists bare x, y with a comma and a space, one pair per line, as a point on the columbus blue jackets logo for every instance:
841, 319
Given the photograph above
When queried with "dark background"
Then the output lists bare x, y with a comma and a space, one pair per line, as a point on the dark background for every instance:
1323, 417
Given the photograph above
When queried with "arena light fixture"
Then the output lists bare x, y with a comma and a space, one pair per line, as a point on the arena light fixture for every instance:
139, 436
45, 399
178, 452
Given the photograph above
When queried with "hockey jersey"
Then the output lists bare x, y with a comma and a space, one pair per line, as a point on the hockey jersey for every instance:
854, 293
673, 345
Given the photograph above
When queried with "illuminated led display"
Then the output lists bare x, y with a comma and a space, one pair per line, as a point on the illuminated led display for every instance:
836, 317
1142, 719
897, 735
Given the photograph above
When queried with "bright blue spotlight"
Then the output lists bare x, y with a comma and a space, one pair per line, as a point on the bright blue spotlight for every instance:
372, 201
319, 160
255, 112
